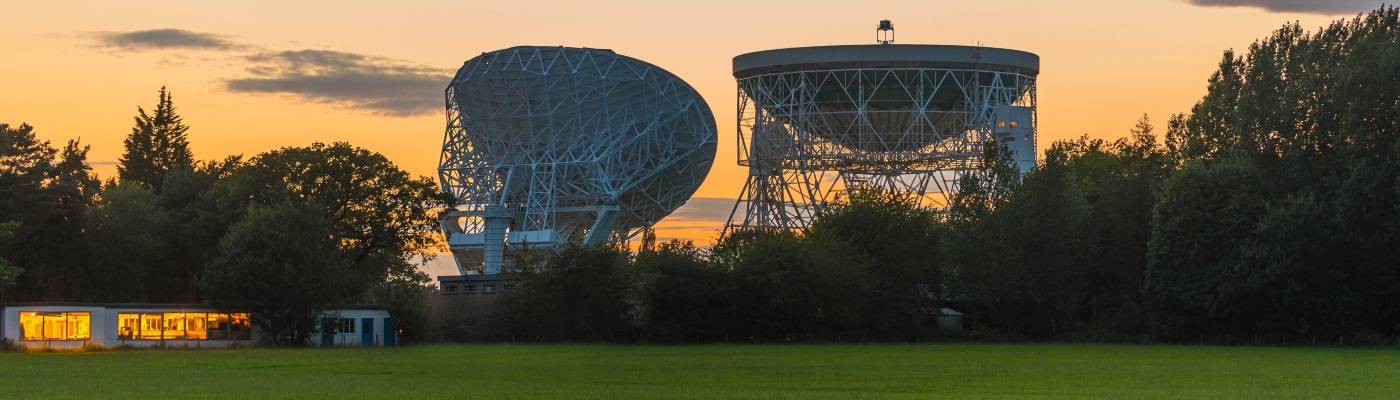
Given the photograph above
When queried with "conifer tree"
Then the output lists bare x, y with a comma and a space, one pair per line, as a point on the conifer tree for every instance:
157, 145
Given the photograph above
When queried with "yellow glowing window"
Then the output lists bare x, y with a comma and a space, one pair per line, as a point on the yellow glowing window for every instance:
239, 326
35, 325
177, 325
1001, 124
152, 327
174, 325
196, 326
1013, 124
128, 326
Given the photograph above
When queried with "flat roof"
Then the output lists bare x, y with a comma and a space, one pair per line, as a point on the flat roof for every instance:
885, 53
158, 306
469, 278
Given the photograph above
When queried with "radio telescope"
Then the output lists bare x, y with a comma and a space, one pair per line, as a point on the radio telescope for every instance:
549, 145
818, 121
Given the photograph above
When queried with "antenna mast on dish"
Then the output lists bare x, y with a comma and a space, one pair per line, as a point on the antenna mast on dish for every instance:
884, 33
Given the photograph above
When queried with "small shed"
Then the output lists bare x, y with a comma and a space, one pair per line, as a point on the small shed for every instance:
948, 319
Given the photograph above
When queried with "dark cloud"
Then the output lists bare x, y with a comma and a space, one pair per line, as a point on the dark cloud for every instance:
1301, 6
165, 39
703, 209
376, 84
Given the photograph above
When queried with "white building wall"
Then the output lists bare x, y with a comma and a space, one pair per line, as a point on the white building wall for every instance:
105, 323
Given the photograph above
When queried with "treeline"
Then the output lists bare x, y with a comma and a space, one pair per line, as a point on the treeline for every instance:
837, 281
282, 233
1271, 209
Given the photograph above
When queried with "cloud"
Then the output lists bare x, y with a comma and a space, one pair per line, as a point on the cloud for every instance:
375, 84
703, 209
1300, 6
165, 39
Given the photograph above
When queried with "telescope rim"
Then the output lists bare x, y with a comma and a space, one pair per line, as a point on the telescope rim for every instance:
798, 59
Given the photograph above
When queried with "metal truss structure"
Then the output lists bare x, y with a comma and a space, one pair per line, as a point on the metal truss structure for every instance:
820, 121
548, 145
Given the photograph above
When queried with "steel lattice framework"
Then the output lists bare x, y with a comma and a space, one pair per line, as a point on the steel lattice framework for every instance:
547, 145
818, 121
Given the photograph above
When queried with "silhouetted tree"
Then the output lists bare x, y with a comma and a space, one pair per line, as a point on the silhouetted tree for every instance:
156, 146
129, 239
281, 263
45, 190
1283, 218
683, 296
382, 218
902, 244
9, 273
578, 293
1119, 182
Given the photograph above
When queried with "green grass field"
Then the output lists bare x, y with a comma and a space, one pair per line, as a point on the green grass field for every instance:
960, 371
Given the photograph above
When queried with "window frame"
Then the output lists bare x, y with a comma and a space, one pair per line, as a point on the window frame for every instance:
187, 325
74, 325
347, 327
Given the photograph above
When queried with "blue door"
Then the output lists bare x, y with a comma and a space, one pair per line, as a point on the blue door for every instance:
390, 336
367, 333
327, 333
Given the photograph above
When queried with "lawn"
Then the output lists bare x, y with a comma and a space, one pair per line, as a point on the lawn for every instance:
957, 371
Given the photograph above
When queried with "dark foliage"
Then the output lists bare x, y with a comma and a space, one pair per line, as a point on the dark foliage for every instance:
158, 144
281, 263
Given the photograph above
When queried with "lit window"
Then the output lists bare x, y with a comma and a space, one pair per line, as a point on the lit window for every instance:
1001, 124
238, 325
196, 326
174, 325
34, 325
128, 326
151, 327
1013, 124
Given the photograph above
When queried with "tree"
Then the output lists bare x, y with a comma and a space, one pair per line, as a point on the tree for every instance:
681, 293
1301, 132
1194, 280
281, 263
193, 237
380, 216
902, 242
9, 274
783, 287
156, 146
1041, 291
127, 236
1119, 183
985, 187
45, 190
579, 293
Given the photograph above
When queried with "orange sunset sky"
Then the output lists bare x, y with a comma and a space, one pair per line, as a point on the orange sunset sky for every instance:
251, 76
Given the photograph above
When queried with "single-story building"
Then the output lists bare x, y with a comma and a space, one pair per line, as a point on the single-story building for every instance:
472, 296
76, 325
